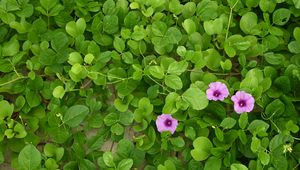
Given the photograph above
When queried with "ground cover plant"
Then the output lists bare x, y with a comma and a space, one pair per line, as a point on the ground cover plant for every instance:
150, 84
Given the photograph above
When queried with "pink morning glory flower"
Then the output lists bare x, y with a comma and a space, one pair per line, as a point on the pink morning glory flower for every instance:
243, 102
217, 91
166, 122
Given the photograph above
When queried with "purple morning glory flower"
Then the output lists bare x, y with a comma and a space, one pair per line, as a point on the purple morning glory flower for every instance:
243, 102
217, 91
166, 122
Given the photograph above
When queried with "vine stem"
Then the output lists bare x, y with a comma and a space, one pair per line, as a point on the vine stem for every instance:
13, 80
159, 84
229, 20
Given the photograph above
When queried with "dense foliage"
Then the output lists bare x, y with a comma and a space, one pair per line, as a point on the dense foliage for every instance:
82, 83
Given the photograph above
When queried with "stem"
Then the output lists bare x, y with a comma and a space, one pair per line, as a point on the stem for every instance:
13, 80
159, 84
217, 74
112, 146
229, 20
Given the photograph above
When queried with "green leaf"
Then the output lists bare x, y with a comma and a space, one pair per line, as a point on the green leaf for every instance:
178, 142
283, 83
195, 97
291, 126
96, 142
59, 41
243, 120
297, 4
76, 28
173, 35
29, 158
132, 19
170, 103
119, 44
275, 108
255, 144
125, 164
267, 6
6, 109
212, 58
227, 65
126, 118
228, 123
109, 7
51, 164
264, 157
296, 33
258, 127
213, 26
127, 87
110, 24
116, 74
280, 162
207, 10
213, 163
125, 148
175, 7
189, 26
58, 92
144, 110
89, 58
127, 57
19, 103
156, 71
75, 115
111, 119
75, 58
238, 167
249, 83
177, 67
20, 131
139, 33
108, 159
294, 47
117, 129
248, 22
49, 149
173, 81
202, 147
219, 134
274, 59
11, 47
281, 16
48, 4
243, 137
189, 9
33, 98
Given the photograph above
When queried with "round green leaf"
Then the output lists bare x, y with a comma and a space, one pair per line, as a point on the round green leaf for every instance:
173, 82
248, 22
228, 123
58, 92
281, 16
189, 26
156, 71
264, 157
196, 98
238, 167
108, 159
6, 109
125, 164
202, 147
